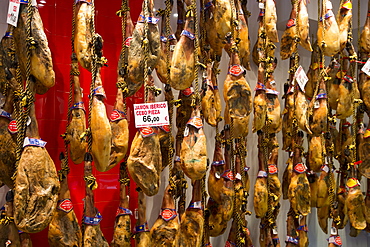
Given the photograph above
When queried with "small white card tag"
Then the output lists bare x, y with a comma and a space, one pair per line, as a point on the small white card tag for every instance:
151, 114
301, 77
13, 12
366, 67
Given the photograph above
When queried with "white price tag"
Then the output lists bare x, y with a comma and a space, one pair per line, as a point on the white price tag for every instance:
261, 5
333, 231
366, 67
301, 77
151, 114
329, 5
316, 104
13, 12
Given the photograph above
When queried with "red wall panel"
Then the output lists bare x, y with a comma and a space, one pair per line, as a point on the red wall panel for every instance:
52, 107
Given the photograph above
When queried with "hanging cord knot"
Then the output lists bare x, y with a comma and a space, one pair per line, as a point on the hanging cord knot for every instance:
91, 182
162, 12
176, 103
157, 91
32, 43
121, 12
121, 84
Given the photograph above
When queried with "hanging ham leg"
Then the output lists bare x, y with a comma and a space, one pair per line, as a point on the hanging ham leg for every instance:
301, 110
313, 71
192, 221
165, 228
142, 233
364, 42
122, 225
344, 22
64, 229
211, 101
315, 153
161, 67
323, 199
77, 125
363, 151
101, 131
41, 61
260, 188
220, 188
237, 95
36, 185
303, 232
244, 45
356, 205
193, 148
292, 238
135, 62
180, 18
299, 188
260, 99
145, 160
271, 20
328, 30
83, 44
273, 103
120, 132
182, 63
319, 122
287, 176
303, 25
92, 235
218, 19
7, 140
288, 44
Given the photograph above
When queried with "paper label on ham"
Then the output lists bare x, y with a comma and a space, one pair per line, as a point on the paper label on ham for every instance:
65, 205
168, 214
187, 92
335, 240
128, 41
236, 70
165, 128
117, 115
196, 122
273, 169
151, 114
12, 127
13, 12
352, 182
333, 231
147, 131
301, 77
33, 142
261, 5
300, 168
366, 67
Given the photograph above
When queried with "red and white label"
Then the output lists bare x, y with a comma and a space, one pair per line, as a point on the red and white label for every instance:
147, 131
128, 41
196, 122
165, 128
66, 205
236, 70
168, 214
187, 92
300, 168
273, 169
12, 127
116, 115
13, 12
151, 114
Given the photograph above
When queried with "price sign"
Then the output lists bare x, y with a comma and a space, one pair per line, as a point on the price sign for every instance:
366, 67
301, 77
151, 114
13, 12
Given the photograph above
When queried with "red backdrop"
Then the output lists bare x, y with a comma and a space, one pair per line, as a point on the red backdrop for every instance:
52, 107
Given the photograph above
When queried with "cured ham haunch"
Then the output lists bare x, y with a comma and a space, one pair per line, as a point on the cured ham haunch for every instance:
271, 20
303, 25
135, 62
92, 233
77, 125
182, 63
237, 96
259, 101
41, 60
211, 101
142, 232
344, 22
192, 221
64, 229
120, 132
36, 186
193, 153
328, 31
364, 42
101, 131
7, 140
165, 228
288, 43
260, 200
122, 225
